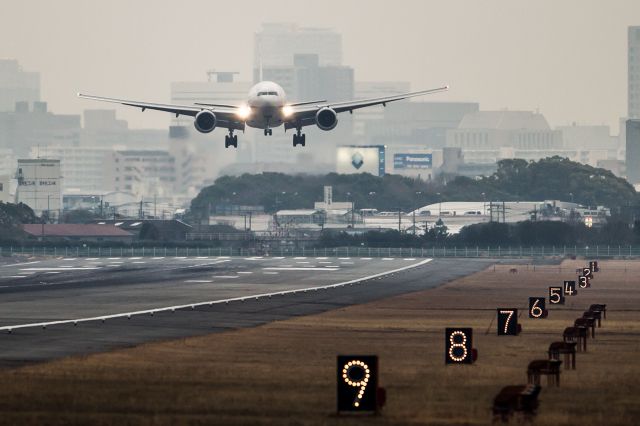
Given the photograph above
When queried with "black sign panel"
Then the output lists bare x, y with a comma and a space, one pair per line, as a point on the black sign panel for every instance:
507, 322
587, 272
570, 288
357, 383
593, 265
584, 281
537, 307
556, 295
458, 346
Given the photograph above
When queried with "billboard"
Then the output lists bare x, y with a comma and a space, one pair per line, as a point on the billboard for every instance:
412, 161
360, 159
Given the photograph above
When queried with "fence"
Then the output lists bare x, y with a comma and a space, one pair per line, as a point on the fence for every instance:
463, 252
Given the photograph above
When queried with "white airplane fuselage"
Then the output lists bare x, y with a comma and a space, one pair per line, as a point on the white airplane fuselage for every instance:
266, 105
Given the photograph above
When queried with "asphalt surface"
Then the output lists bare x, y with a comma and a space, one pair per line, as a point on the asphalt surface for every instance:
45, 290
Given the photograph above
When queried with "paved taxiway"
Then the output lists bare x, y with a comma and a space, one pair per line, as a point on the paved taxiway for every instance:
43, 290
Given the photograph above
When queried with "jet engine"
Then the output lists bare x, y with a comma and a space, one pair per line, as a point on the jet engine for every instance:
205, 121
326, 118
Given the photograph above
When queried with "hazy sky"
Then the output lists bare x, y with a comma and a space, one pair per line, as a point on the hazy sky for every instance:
566, 58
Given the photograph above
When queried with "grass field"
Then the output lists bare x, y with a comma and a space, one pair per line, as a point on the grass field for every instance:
284, 372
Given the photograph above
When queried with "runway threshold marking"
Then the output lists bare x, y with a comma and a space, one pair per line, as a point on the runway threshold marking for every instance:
301, 268
20, 264
210, 302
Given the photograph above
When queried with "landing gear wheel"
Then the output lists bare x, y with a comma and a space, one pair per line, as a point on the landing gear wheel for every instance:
268, 132
299, 140
231, 140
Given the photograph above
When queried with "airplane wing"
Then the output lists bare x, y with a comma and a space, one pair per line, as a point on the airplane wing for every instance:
226, 114
304, 115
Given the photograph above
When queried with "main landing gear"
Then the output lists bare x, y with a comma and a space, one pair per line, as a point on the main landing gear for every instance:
299, 138
231, 140
268, 132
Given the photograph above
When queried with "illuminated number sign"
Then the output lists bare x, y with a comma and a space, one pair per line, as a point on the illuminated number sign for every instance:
583, 281
458, 346
537, 307
587, 272
570, 288
507, 322
357, 383
593, 265
556, 296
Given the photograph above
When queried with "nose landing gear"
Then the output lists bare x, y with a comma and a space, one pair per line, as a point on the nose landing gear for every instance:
231, 140
268, 132
299, 138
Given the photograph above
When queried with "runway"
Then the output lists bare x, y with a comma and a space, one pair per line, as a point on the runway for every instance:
154, 298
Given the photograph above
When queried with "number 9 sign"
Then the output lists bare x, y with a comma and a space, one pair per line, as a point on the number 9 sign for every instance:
357, 383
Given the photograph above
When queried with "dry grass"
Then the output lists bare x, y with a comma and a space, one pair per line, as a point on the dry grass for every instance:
283, 373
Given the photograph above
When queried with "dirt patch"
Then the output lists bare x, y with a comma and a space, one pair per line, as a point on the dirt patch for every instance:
284, 372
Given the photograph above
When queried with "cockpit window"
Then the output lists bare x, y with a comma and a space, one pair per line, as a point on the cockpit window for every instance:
267, 93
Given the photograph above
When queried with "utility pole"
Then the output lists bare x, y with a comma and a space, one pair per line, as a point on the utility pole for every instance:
414, 223
399, 219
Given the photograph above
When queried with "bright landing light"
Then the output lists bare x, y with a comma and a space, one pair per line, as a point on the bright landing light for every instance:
287, 110
244, 112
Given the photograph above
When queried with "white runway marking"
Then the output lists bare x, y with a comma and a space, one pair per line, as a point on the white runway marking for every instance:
210, 302
278, 258
226, 276
308, 268
114, 258
224, 257
157, 258
302, 262
139, 262
69, 258
135, 258
409, 258
245, 272
92, 258
113, 266
179, 257
16, 276
365, 258
21, 264
198, 281
52, 272
324, 262
254, 258
387, 258
202, 257
299, 258
344, 258
321, 258
270, 273
80, 268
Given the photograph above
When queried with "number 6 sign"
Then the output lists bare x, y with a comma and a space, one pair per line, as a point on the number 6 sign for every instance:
537, 307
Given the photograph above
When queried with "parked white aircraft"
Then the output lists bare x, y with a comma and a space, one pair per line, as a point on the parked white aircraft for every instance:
266, 108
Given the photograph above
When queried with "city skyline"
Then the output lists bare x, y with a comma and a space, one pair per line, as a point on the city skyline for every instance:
529, 56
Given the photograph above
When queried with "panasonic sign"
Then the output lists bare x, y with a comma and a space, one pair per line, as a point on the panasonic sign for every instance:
412, 161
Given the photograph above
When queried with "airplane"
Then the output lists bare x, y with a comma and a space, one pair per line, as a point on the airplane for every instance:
266, 108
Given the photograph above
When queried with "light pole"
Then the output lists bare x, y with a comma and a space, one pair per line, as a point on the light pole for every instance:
484, 204
439, 204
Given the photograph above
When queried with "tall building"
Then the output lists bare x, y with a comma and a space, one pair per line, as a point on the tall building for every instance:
633, 151
634, 72
145, 173
40, 186
81, 167
17, 85
277, 43
24, 128
374, 89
